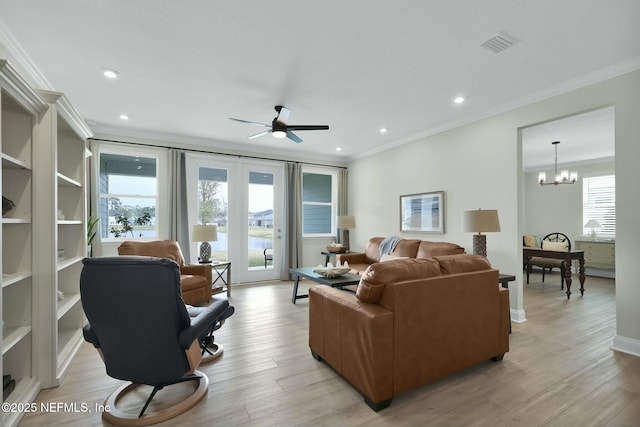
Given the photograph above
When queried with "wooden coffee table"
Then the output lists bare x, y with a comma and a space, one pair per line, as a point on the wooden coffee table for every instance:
307, 273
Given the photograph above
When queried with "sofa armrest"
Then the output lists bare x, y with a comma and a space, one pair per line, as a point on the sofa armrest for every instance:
355, 338
197, 270
352, 258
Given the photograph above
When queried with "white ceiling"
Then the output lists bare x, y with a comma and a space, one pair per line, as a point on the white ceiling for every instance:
584, 138
187, 66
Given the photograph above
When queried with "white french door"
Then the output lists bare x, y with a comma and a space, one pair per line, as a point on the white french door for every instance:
244, 198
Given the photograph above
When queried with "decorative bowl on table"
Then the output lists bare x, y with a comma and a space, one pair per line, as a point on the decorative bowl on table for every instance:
331, 272
336, 249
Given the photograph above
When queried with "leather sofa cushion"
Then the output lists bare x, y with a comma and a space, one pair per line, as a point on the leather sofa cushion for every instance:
462, 263
375, 278
406, 247
431, 249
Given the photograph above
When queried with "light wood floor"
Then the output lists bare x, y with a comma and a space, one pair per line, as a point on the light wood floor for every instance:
560, 372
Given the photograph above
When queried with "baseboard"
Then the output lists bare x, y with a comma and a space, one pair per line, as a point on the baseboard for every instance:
596, 272
518, 316
626, 345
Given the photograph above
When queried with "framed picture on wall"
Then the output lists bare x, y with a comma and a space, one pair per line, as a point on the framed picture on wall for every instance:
422, 213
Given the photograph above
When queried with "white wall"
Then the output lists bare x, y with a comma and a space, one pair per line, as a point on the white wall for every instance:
479, 166
550, 209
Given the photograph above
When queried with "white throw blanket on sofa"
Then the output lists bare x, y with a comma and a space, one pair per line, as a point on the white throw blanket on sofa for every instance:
388, 245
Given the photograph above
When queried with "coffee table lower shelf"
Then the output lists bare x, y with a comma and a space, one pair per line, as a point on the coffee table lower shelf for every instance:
307, 273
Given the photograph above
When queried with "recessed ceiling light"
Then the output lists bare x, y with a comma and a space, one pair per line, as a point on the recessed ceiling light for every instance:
338, 149
124, 117
384, 130
111, 74
459, 100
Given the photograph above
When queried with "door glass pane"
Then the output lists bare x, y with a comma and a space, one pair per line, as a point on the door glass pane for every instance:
260, 220
212, 207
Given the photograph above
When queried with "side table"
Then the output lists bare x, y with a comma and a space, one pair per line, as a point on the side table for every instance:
218, 270
328, 255
504, 280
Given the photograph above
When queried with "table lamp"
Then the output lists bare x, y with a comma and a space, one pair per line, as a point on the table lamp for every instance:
593, 224
204, 234
345, 223
480, 221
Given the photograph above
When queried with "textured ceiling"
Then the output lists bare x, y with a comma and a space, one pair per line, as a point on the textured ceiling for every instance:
186, 67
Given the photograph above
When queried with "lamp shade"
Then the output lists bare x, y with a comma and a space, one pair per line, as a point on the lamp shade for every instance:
592, 223
481, 221
204, 233
347, 222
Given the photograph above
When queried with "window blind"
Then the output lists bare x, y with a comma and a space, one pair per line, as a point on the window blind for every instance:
599, 203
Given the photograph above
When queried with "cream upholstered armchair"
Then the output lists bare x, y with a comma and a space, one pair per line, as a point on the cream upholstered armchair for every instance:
552, 242
195, 280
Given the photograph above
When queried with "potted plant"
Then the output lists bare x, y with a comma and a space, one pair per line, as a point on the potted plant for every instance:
125, 225
92, 229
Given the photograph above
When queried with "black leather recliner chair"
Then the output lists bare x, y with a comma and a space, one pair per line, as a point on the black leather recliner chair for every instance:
143, 331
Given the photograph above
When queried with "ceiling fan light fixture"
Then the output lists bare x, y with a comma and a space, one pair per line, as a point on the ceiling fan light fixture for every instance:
279, 134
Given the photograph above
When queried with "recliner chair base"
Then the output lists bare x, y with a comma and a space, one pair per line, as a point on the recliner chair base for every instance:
212, 351
119, 417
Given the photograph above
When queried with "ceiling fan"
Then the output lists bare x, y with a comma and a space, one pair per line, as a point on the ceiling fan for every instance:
279, 127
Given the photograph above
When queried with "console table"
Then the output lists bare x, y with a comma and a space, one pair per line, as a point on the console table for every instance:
598, 253
568, 257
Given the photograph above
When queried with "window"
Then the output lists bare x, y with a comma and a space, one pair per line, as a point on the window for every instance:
128, 187
599, 203
318, 203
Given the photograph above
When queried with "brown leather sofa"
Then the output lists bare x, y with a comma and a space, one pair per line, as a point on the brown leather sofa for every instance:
195, 280
411, 321
410, 248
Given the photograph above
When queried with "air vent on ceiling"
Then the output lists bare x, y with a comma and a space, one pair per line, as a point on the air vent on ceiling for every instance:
499, 42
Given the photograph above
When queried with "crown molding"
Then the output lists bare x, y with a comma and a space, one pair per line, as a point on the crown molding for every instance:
21, 58
19, 89
67, 112
555, 90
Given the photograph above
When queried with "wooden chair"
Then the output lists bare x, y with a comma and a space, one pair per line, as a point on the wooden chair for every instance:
554, 242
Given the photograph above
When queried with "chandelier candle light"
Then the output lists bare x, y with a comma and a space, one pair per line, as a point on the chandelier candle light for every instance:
564, 177
204, 234
480, 221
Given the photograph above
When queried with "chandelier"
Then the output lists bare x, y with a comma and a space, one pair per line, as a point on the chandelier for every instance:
564, 177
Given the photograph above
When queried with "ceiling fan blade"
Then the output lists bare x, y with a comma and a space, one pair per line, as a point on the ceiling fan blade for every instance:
283, 115
292, 136
307, 127
259, 134
250, 122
